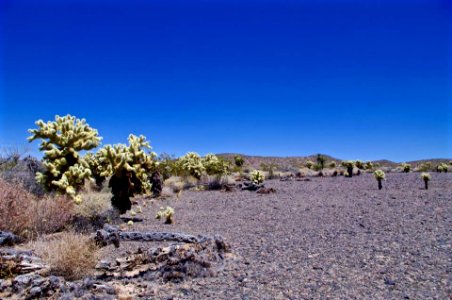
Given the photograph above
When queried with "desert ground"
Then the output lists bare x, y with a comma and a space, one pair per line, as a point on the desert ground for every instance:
317, 238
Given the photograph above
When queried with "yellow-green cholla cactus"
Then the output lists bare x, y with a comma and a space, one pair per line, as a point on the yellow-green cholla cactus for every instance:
191, 163
309, 164
214, 165
62, 140
426, 177
442, 168
166, 213
257, 177
128, 166
405, 167
349, 164
379, 176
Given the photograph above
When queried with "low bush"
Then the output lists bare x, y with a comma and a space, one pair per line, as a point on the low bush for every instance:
28, 216
71, 255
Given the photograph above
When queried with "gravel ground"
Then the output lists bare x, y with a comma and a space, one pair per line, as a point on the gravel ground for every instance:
328, 238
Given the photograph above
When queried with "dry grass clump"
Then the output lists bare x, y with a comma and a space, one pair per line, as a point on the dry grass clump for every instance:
93, 204
25, 215
68, 254
177, 184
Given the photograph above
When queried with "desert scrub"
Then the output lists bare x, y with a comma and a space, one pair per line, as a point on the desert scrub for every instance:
379, 176
257, 177
426, 178
71, 255
27, 216
405, 167
62, 140
332, 164
165, 213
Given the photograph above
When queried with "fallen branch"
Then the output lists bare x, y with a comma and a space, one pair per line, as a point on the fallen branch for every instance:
112, 235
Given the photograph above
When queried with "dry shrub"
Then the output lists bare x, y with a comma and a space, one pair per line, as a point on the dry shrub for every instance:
14, 208
68, 254
177, 184
93, 204
25, 215
50, 214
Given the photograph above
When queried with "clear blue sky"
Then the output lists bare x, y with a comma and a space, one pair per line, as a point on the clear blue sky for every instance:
353, 79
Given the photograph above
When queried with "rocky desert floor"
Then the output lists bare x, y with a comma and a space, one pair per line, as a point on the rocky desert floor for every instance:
326, 238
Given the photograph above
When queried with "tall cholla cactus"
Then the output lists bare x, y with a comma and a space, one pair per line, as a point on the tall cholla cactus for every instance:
215, 166
379, 176
257, 177
349, 164
62, 140
426, 177
192, 164
368, 165
128, 167
405, 167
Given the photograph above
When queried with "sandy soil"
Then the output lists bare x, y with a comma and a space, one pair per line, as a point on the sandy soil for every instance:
328, 238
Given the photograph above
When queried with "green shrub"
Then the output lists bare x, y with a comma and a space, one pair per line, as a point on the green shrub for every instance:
239, 161
332, 164
309, 164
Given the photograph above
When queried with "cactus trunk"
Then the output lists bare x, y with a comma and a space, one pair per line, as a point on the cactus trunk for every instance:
350, 171
426, 184
380, 186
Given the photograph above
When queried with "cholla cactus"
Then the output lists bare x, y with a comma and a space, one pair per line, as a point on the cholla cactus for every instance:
257, 177
128, 166
368, 165
215, 166
332, 164
442, 168
309, 164
359, 164
166, 213
192, 164
405, 167
321, 161
426, 177
349, 164
380, 176
239, 161
62, 140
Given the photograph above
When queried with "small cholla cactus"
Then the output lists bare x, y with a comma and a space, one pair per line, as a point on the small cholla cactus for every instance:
166, 213
130, 223
332, 164
257, 177
133, 213
380, 176
405, 167
426, 177
349, 164
309, 164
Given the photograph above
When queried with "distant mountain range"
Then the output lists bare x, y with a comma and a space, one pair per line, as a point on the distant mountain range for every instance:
297, 161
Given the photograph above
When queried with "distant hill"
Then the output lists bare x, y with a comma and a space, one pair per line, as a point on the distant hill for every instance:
294, 162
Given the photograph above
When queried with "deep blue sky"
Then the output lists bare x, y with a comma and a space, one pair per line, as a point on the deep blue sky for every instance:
353, 79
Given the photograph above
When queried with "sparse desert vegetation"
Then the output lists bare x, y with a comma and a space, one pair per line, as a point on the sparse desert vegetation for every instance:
235, 226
